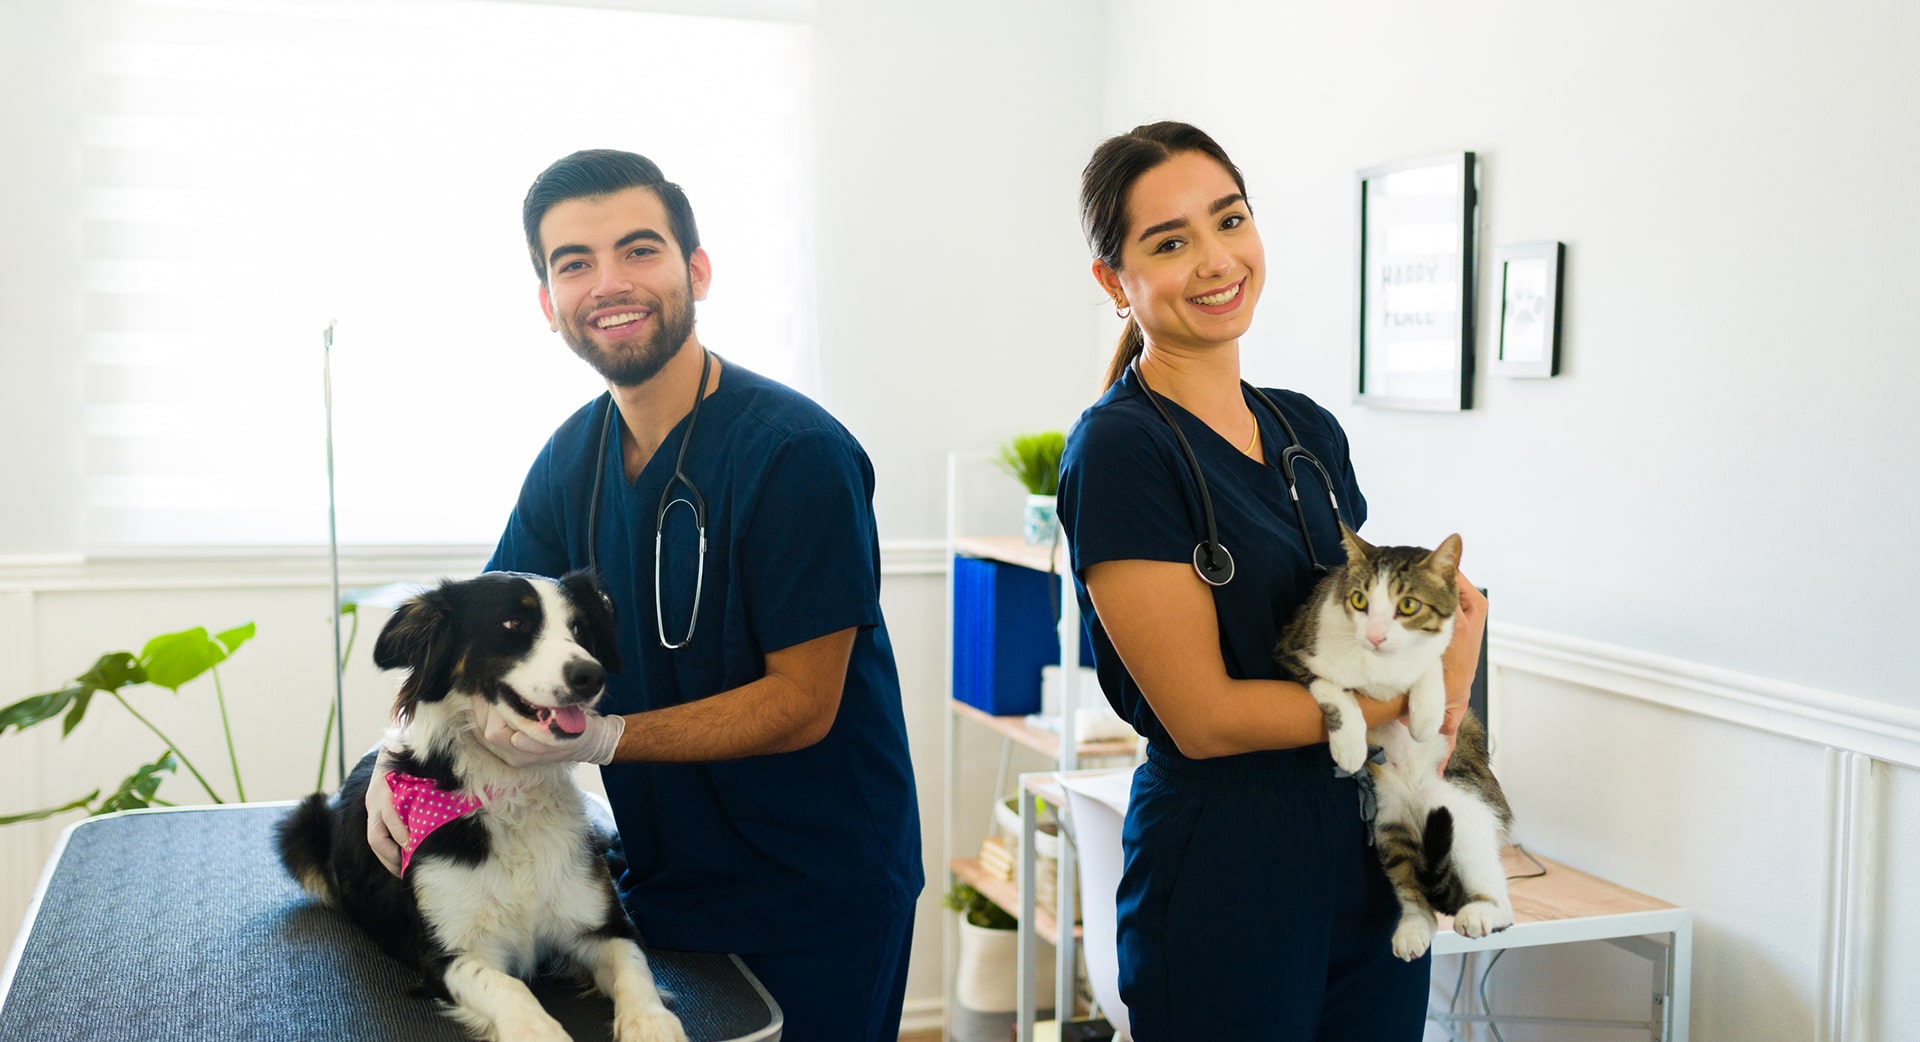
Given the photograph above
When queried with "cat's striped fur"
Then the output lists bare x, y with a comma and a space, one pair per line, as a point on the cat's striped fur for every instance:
1376, 627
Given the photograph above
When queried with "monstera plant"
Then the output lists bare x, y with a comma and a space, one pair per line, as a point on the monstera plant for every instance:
168, 661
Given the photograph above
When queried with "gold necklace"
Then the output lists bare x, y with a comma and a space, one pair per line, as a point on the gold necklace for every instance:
1248, 451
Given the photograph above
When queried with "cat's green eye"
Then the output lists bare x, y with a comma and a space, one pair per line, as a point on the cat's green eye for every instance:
1408, 606
1358, 599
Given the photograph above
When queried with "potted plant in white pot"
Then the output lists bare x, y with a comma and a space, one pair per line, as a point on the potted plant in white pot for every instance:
1034, 460
985, 986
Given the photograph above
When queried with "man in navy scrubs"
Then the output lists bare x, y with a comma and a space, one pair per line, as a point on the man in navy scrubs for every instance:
754, 748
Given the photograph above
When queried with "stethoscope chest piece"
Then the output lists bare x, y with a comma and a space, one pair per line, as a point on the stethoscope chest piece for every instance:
1213, 563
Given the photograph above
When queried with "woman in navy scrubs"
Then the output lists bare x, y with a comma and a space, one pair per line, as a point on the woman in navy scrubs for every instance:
1251, 905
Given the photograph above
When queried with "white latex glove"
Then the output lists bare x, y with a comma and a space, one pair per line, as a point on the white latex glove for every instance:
386, 833
524, 743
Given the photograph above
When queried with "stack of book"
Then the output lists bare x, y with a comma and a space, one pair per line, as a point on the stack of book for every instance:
996, 858
1046, 885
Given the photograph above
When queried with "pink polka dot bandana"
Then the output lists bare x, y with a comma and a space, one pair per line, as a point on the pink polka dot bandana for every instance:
423, 806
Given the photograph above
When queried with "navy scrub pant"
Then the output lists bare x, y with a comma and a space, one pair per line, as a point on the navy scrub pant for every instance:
850, 991
1252, 907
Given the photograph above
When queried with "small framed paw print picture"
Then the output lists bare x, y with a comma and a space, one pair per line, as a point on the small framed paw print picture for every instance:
1529, 309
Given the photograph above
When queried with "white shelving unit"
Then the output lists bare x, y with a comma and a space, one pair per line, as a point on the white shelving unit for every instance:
1056, 745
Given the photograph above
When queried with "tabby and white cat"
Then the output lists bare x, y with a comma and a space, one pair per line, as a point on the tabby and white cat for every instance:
1376, 627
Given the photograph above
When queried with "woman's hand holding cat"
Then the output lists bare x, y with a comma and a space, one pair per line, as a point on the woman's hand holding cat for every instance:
1462, 657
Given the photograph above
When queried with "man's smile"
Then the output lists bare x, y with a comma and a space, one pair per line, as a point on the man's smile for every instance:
618, 319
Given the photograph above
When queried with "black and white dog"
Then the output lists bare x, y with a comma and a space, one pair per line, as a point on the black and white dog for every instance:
505, 871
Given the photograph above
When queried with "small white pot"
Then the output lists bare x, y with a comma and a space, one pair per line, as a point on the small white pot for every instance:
1041, 520
986, 979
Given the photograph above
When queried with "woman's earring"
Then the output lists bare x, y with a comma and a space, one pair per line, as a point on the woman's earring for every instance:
1121, 310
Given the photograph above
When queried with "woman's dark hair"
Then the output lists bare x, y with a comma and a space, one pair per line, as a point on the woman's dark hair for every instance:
597, 172
1104, 184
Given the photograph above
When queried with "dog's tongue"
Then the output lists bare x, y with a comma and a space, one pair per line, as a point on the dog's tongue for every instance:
569, 719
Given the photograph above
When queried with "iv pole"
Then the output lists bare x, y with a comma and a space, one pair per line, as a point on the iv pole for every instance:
333, 547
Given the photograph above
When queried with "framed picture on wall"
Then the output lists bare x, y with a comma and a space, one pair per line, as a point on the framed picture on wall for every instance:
1414, 322
1529, 308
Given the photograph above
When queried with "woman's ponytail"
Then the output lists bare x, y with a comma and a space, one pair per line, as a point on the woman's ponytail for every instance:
1132, 342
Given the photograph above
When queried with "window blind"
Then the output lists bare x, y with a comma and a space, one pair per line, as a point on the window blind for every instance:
254, 169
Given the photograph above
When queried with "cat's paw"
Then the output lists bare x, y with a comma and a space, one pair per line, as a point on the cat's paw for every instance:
1412, 937
1480, 918
1349, 748
1424, 717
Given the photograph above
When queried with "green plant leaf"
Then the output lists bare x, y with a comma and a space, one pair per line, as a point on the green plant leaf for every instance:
348, 607
1034, 460
113, 671
35, 708
233, 638
172, 659
79, 709
40, 815
979, 910
138, 788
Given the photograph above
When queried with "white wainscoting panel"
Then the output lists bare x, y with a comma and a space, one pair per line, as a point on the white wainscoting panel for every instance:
1763, 806
1893, 953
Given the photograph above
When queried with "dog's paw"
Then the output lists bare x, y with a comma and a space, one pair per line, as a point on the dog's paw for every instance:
647, 1025
1349, 748
1480, 918
533, 1026
1412, 937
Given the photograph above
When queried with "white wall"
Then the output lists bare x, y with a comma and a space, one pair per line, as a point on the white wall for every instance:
954, 294
1719, 473
1726, 182
39, 296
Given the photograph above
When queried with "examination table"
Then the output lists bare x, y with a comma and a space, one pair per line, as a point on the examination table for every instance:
182, 926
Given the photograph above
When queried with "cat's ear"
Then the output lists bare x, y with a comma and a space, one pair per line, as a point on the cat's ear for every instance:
1445, 558
1357, 548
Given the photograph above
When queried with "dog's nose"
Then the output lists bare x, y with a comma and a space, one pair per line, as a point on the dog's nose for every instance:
585, 677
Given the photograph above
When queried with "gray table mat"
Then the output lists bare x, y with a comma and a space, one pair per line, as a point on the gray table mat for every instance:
182, 925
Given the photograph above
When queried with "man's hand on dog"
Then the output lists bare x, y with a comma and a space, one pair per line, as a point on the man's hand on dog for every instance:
386, 833
519, 742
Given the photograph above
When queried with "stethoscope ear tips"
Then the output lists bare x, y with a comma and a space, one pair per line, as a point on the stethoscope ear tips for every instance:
1212, 563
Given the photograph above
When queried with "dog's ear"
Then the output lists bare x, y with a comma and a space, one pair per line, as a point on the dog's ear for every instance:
596, 609
418, 637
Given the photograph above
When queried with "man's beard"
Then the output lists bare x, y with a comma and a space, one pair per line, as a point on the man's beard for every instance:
632, 362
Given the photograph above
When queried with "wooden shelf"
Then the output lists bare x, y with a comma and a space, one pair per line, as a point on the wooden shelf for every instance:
1006, 894
1013, 549
1039, 739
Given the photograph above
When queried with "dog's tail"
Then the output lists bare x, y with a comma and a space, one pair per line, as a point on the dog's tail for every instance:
306, 846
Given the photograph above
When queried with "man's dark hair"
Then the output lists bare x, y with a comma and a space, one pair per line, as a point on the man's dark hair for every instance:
603, 171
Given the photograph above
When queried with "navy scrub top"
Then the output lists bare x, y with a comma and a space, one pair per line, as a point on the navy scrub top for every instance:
1127, 493
769, 853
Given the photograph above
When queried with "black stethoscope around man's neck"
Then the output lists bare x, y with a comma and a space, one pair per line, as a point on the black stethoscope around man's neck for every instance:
1210, 558
692, 499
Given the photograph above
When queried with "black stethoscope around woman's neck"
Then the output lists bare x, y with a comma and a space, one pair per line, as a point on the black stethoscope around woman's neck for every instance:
668, 501
1210, 558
